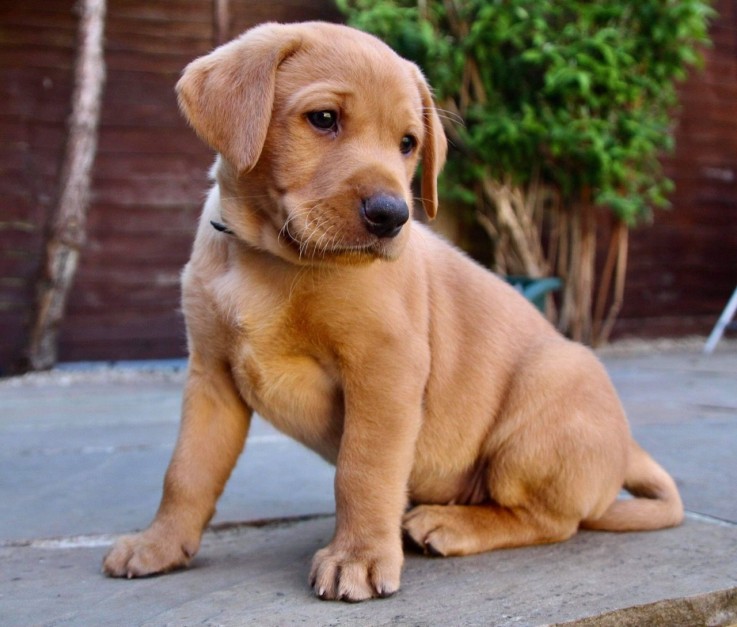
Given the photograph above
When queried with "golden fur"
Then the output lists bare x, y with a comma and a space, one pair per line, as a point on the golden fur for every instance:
425, 379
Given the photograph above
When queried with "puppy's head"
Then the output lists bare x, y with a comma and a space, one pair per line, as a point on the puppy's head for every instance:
320, 128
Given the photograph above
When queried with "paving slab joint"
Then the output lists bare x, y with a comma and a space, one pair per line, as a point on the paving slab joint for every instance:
107, 539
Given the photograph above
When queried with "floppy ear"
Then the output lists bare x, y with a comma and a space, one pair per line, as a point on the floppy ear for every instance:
434, 149
227, 96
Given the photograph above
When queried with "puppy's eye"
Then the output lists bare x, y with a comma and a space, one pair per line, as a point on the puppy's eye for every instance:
408, 144
323, 120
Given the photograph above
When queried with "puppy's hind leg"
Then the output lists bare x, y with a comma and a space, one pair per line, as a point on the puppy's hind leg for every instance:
446, 530
555, 459
212, 433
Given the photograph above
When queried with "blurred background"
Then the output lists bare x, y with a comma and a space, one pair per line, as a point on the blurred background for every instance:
148, 177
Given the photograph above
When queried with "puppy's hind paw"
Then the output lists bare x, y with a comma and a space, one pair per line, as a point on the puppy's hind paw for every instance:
436, 530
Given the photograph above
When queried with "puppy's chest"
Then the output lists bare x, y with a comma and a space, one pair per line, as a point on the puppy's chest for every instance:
285, 373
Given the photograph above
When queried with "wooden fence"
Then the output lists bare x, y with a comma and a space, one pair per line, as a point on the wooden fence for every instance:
150, 177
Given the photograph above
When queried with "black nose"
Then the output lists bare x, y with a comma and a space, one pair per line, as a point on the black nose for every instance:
384, 215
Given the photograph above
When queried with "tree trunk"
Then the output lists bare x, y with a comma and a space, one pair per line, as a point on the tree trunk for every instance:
576, 266
616, 267
513, 226
68, 225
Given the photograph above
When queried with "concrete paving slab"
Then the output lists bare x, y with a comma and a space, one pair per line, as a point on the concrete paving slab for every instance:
701, 455
683, 409
83, 455
673, 387
94, 455
257, 576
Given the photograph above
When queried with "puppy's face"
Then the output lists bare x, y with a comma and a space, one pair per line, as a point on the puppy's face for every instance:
341, 151
335, 126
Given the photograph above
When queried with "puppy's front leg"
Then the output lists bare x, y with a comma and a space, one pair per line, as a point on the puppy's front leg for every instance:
382, 420
212, 433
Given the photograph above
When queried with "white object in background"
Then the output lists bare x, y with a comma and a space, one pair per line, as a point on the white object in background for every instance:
722, 323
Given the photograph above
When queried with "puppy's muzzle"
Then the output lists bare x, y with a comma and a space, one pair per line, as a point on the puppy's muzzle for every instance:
384, 215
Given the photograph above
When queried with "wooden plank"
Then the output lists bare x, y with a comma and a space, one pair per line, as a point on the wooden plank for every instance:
20, 239
163, 10
44, 140
662, 326
144, 300
165, 344
14, 294
146, 250
165, 220
19, 261
140, 32
127, 348
12, 324
126, 325
159, 191
62, 35
37, 57
164, 48
132, 271
55, 8
168, 64
244, 15
148, 141
157, 165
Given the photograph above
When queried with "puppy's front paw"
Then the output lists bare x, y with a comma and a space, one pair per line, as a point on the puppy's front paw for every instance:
350, 574
150, 552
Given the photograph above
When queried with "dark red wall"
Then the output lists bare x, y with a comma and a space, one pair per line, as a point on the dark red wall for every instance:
149, 174
150, 178
683, 267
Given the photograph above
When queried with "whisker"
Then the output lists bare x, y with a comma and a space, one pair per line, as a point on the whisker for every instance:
445, 114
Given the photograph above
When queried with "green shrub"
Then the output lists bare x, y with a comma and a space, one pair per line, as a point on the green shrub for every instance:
582, 90
560, 106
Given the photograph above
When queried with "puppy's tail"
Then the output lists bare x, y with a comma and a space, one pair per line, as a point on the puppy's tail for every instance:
656, 503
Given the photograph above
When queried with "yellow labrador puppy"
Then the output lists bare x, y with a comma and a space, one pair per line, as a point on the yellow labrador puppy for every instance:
313, 299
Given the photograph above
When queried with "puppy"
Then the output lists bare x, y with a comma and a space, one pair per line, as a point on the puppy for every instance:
313, 299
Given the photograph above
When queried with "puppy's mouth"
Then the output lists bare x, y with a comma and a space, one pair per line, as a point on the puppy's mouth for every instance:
310, 249
371, 231
368, 233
